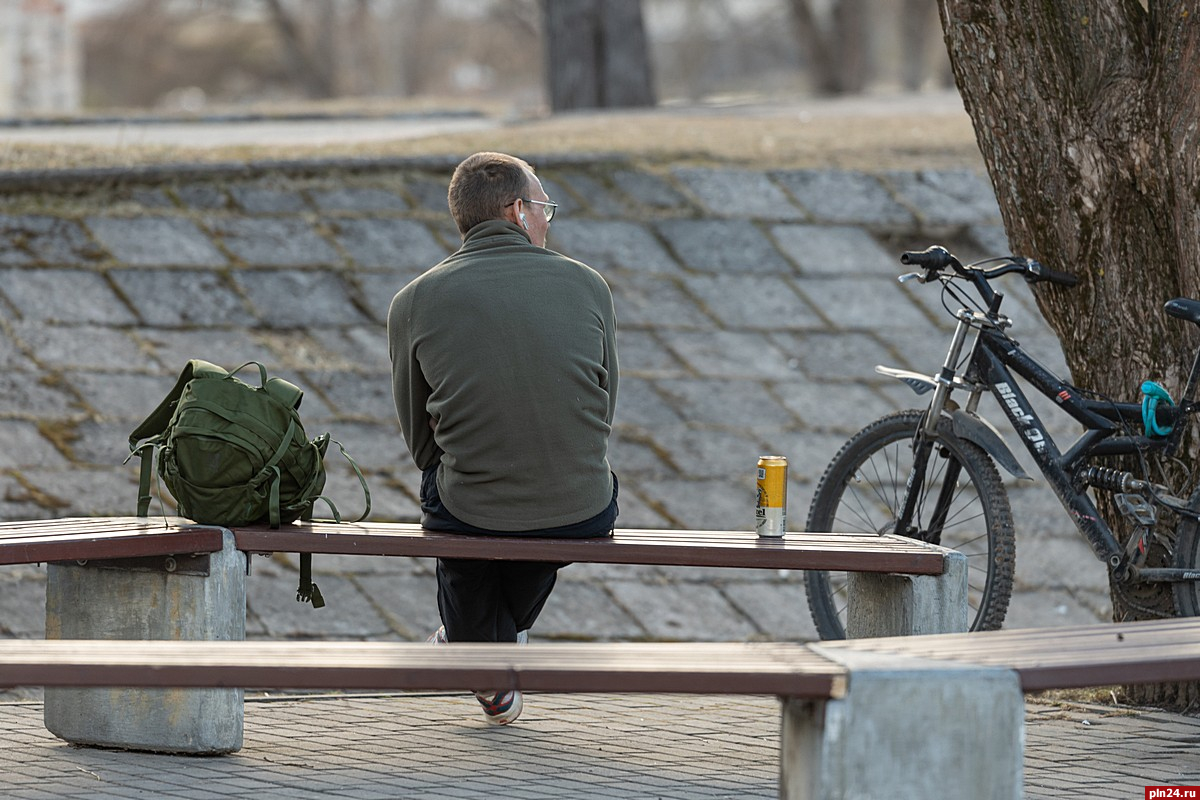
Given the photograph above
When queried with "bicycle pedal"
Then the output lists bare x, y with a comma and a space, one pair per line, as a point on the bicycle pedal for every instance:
1136, 508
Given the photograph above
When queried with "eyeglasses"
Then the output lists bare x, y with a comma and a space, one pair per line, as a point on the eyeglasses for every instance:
547, 208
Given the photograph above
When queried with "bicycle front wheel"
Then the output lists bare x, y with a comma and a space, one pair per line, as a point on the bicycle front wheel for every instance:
862, 491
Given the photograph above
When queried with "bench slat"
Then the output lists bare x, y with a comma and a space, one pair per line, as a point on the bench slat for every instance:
85, 538
800, 551
727, 668
1142, 652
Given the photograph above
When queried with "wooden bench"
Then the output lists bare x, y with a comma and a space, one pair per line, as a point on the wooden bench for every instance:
915, 588
938, 716
817, 752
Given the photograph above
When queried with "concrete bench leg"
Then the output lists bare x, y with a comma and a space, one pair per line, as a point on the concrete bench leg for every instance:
89, 602
909, 605
906, 729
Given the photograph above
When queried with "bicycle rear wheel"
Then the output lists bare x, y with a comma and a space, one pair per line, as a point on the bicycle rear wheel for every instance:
862, 490
1187, 556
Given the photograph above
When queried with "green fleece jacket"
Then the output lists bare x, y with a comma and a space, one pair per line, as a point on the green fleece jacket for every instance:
504, 373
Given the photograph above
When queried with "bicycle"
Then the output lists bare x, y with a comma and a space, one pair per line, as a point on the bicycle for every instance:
931, 473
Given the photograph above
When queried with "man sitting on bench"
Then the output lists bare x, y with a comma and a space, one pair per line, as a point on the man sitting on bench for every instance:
504, 374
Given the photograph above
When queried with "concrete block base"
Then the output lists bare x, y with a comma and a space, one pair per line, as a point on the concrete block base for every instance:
115, 602
909, 605
907, 729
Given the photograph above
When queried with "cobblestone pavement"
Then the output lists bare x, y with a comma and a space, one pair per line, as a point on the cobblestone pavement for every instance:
564, 747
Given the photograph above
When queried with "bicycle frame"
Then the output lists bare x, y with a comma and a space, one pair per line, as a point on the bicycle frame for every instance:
990, 365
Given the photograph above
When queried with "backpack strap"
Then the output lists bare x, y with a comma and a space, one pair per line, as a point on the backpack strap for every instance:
147, 436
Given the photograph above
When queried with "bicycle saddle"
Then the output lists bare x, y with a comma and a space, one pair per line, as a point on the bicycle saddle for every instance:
1184, 308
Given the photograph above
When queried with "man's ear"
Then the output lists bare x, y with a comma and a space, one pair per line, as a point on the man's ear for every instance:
513, 212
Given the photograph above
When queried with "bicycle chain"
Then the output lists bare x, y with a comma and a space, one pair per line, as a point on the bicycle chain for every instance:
1130, 603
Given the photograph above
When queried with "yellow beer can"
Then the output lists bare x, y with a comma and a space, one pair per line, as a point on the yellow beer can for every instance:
770, 514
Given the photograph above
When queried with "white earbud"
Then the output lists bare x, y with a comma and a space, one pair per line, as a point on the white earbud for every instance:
524, 224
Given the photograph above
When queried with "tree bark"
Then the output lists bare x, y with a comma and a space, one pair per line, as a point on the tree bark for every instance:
596, 54
1086, 115
314, 75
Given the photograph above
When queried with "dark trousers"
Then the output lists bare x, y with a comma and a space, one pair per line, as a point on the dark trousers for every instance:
491, 601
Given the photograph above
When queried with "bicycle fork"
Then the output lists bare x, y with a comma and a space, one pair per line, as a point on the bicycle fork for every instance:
924, 442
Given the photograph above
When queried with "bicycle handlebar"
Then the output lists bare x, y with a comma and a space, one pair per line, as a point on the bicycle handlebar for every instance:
938, 259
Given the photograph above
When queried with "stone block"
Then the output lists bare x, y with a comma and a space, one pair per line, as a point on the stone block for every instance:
11, 355
599, 200
836, 250
101, 443
737, 193
640, 405
754, 302
86, 346
110, 490
953, 197
357, 198
26, 393
872, 304
557, 192
229, 347
723, 246
298, 298
430, 193
908, 605
121, 396
648, 189
348, 614
1057, 608
354, 396
155, 241
362, 347
655, 302
267, 200
375, 290
63, 295
844, 197
202, 196
866, 744
682, 612
408, 601
727, 354
23, 602
99, 603
708, 453
710, 504
631, 459
779, 608
394, 244
608, 244
992, 240
287, 242
838, 408
642, 353
726, 403
835, 357
578, 610
635, 512
808, 453
36, 238
181, 298
26, 447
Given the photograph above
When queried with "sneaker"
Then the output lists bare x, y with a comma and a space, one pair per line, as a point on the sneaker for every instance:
438, 637
500, 708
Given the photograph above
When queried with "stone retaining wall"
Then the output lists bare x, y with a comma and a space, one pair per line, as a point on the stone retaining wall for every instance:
753, 306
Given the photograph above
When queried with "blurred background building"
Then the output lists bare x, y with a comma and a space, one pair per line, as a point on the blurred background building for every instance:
39, 58
59, 56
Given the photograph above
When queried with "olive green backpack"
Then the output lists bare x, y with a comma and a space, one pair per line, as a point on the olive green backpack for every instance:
234, 454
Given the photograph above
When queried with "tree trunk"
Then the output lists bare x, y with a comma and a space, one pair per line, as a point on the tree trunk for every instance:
836, 54
313, 74
1086, 114
596, 54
